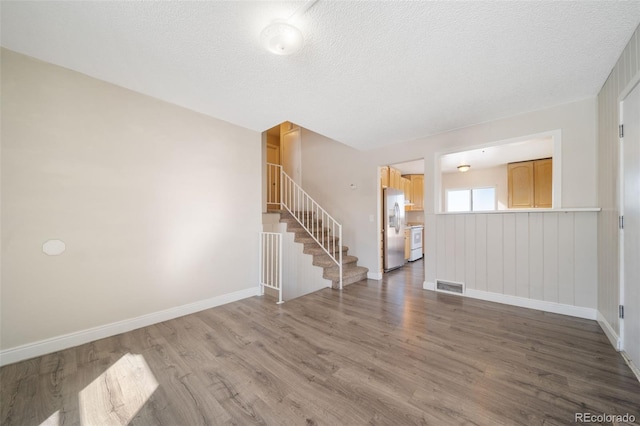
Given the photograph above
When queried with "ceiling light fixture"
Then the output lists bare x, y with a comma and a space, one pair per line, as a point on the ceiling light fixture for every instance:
464, 168
281, 38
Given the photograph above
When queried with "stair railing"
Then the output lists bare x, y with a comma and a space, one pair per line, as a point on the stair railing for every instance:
271, 262
322, 227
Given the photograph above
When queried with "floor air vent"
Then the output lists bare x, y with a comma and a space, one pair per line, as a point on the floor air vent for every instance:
449, 287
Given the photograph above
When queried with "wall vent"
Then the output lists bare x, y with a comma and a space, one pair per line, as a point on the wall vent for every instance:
449, 287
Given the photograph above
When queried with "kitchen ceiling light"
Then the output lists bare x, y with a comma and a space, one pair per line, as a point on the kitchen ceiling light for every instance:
464, 168
281, 38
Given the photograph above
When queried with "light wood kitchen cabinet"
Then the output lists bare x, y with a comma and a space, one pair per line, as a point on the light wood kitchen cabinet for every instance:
391, 178
394, 178
384, 177
530, 184
407, 243
542, 183
416, 183
406, 188
417, 192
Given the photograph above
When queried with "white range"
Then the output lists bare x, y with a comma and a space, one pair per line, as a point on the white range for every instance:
416, 242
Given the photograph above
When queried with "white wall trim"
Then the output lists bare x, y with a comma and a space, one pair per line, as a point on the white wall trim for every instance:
374, 275
629, 87
54, 344
519, 211
609, 331
556, 308
523, 302
631, 365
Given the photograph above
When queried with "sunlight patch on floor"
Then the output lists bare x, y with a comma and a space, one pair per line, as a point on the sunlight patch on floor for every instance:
53, 420
117, 395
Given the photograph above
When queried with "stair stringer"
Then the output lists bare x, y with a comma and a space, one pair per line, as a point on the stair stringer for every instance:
299, 275
351, 272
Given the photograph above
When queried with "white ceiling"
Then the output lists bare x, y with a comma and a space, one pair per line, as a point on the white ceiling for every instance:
414, 167
493, 156
370, 74
483, 158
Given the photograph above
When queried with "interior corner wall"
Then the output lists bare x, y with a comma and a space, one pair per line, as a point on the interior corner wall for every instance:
344, 181
157, 205
624, 74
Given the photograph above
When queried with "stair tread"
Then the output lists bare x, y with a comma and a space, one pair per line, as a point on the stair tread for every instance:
306, 235
353, 271
315, 248
327, 262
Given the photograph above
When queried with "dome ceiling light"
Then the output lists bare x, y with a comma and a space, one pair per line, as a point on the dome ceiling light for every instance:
464, 168
281, 37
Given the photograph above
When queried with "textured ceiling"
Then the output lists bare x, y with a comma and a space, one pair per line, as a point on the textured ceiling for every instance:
482, 158
370, 73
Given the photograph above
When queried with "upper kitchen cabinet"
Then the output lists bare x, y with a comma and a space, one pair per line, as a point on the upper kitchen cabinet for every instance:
394, 178
406, 188
391, 178
543, 183
530, 184
417, 192
384, 177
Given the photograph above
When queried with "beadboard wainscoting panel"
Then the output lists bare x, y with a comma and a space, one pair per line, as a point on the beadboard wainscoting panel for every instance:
450, 247
545, 256
441, 244
509, 247
586, 259
460, 248
470, 251
495, 254
550, 261
481, 252
522, 255
566, 258
536, 256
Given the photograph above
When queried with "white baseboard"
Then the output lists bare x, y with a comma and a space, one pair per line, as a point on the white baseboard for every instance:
524, 302
54, 344
541, 305
374, 275
634, 368
609, 331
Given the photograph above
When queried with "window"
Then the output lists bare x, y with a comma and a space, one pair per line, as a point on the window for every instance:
471, 200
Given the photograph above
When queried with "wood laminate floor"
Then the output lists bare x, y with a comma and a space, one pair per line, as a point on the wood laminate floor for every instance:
379, 352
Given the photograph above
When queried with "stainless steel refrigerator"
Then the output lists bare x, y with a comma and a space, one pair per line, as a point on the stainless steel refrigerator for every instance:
393, 229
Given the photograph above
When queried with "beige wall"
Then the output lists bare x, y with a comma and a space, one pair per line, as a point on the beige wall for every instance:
491, 177
414, 217
159, 206
623, 76
330, 167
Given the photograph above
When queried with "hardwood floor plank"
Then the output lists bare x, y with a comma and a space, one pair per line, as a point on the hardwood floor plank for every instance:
379, 352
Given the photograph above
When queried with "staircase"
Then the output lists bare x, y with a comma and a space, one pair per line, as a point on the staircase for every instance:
351, 272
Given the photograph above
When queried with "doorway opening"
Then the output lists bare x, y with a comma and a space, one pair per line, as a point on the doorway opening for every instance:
283, 150
401, 214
